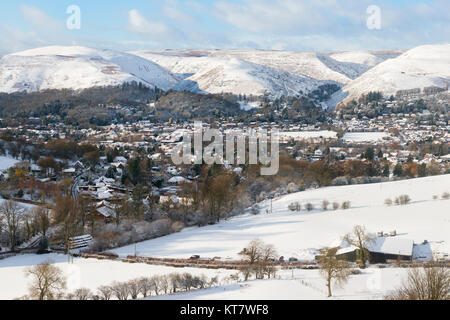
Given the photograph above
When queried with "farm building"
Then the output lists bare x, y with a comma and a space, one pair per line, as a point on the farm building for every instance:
381, 250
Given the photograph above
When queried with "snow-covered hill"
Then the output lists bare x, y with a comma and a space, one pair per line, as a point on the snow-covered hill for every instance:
420, 67
256, 71
234, 71
308, 64
73, 67
367, 58
214, 73
217, 75
305, 64
301, 234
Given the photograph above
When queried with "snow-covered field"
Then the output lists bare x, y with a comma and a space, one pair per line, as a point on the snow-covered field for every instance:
365, 136
83, 273
308, 134
7, 162
301, 234
372, 283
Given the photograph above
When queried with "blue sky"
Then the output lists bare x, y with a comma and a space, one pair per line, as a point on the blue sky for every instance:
304, 25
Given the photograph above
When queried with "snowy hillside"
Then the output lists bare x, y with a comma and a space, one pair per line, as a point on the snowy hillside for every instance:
307, 64
367, 58
74, 67
214, 74
235, 71
218, 75
417, 68
301, 234
278, 72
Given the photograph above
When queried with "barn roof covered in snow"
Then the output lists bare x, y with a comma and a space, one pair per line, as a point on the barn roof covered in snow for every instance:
393, 245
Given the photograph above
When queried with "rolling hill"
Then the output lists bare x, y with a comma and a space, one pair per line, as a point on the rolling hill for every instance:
59, 67
302, 234
420, 67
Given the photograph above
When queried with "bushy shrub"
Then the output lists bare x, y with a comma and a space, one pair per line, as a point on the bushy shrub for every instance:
295, 206
255, 210
346, 205
402, 200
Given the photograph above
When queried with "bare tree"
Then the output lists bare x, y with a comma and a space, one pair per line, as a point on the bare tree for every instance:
175, 280
360, 238
42, 219
251, 255
268, 256
105, 292
83, 294
133, 288
120, 290
431, 282
156, 281
145, 286
164, 284
47, 281
12, 213
259, 258
67, 212
333, 270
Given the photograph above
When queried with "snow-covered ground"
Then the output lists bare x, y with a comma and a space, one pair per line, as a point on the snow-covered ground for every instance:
7, 162
372, 283
365, 136
293, 235
308, 134
301, 234
250, 105
84, 273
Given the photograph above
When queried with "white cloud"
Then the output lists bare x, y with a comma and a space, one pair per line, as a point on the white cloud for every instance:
40, 20
177, 15
290, 16
138, 24
333, 24
45, 30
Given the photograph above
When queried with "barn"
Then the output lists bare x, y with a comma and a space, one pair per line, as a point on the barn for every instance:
381, 250
390, 248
